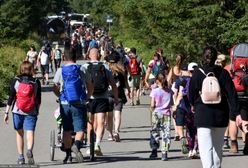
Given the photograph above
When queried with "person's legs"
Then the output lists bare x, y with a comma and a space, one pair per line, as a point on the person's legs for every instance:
100, 116
226, 139
154, 139
117, 120
233, 132
217, 140
165, 133
180, 122
205, 147
109, 123
20, 141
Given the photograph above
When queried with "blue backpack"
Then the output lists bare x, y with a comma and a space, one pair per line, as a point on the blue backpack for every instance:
73, 89
157, 68
94, 44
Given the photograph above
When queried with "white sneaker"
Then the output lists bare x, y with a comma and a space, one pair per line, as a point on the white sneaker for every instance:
88, 151
194, 154
190, 155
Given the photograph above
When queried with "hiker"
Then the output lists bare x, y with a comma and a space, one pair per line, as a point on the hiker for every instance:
32, 56
75, 83
99, 103
57, 55
25, 96
161, 102
212, 113
135, 75
119, 74
43, 62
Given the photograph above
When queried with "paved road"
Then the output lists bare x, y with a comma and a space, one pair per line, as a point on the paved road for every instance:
133, 150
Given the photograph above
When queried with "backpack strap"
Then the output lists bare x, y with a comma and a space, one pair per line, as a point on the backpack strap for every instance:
208, 74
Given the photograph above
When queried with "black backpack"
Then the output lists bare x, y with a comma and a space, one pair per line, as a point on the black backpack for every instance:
99, 77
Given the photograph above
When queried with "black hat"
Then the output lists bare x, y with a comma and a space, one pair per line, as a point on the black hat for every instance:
114, 57
184, 67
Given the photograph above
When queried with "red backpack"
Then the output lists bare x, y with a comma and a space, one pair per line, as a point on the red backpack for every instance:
134, 66
239, 67
25, 95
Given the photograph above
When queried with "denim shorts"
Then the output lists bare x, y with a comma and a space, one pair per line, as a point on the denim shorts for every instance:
73, 117
25, 122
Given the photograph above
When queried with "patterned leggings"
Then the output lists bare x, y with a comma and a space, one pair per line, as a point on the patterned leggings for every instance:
191, 131
160, 123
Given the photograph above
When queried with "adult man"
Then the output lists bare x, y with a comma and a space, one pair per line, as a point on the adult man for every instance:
135, 75
99, 103
74, 81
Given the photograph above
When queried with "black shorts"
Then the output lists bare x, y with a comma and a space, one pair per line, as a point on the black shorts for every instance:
180, 117
243, 109
113, 107
44, 69
98, 105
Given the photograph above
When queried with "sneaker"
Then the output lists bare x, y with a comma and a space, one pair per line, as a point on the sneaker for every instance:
67, 160
154, 154
245, 150
88, 151
138, 102
234, 147
190, 155
132, 103
177, 138
194, 154
76, 151
184, 146
21, 161
98, 151
164, 156
226, 144
110, 137
117, 137
30, 158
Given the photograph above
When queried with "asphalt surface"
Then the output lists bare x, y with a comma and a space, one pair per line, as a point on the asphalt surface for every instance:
133, 150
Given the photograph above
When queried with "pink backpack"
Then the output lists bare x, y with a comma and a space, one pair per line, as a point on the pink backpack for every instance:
210, 92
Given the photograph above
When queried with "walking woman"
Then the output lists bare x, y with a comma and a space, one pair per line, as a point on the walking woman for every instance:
211, 120
24, 101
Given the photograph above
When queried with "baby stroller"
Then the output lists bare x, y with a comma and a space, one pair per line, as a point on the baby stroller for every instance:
56, 138
239, 69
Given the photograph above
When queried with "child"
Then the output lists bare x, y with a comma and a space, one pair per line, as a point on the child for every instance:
161, 102
25, 100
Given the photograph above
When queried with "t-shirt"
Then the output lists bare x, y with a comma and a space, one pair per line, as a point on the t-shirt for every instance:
58, 77
163, 100
109, 75
32, 56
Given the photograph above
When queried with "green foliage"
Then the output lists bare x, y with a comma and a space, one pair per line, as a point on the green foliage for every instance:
10, 57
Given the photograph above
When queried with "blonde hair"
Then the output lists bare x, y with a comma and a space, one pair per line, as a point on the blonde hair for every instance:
26, 68
116, 68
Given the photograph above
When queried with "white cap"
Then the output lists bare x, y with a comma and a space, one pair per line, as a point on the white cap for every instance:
191, 66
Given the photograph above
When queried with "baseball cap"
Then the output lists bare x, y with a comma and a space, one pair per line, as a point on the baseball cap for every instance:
184, 67
191, 66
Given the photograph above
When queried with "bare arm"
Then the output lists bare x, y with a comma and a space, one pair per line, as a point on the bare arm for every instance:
114, 89
148, 72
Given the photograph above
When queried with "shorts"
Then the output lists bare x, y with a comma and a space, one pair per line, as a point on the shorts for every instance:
180, 117
117, 107
73, 117
134, 81
100, 105
243, 109
25, 122
44, 69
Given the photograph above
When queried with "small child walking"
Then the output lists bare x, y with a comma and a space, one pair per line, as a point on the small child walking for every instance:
161, 102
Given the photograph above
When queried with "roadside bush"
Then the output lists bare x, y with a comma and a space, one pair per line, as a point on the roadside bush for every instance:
10, 57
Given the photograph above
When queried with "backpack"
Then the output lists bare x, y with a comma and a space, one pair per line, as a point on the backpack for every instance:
99, 77
157, 68
73, 89
25, 95
239, 67
210, 92
134, 66
44, 58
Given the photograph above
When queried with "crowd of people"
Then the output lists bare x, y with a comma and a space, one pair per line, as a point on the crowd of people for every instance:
92, 96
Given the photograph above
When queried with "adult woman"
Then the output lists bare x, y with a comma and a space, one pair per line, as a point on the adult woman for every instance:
32, 55
118, 71
211, 120
25, 108
174, 73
